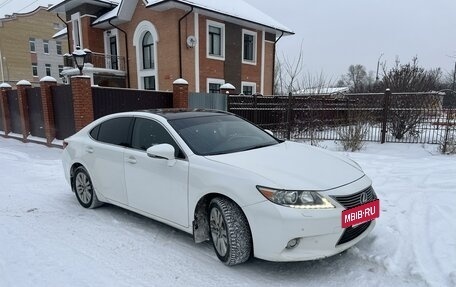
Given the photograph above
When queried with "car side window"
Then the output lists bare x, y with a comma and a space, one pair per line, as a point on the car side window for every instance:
115, 131
147, 133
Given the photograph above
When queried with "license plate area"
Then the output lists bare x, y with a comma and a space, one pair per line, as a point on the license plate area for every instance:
360, 214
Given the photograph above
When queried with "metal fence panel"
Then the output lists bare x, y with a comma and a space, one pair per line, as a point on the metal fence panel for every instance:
15, 117
208, 101
35, 110
113, 100
62, 100
399, 117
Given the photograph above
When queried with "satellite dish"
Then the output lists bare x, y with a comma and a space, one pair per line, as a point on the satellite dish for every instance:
191, 41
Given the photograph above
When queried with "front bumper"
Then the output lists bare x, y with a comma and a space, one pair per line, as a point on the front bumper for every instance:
318, 231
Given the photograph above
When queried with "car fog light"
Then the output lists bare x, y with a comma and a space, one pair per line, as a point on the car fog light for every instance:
292, 243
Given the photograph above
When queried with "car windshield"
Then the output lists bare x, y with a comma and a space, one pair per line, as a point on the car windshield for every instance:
221, 134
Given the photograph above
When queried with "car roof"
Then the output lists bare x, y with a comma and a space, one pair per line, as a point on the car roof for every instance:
172, 114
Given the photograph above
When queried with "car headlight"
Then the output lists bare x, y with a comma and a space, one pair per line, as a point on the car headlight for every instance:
296, 198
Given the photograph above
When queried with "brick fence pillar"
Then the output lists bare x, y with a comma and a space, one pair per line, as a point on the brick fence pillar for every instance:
22, 87
227, 89
46, 84
180, 94
4, 88
82, 101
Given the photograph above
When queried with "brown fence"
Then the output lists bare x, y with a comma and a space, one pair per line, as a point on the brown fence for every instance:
62, 101
397, 117
113, 100
35, 112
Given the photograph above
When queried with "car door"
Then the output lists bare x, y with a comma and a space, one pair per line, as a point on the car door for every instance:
156, 186
105, 157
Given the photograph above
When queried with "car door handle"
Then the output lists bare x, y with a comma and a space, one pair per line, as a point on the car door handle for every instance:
89, 149
131, 160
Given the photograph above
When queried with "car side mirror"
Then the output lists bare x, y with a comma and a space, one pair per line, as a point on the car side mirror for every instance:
269, 132
163, 151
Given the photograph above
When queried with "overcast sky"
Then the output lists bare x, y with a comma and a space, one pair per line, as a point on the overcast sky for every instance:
337, 33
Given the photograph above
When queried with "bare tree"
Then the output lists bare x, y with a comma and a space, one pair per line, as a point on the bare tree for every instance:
411, 77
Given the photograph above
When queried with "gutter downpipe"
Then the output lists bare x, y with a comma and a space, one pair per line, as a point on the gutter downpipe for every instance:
68, 31
273, 61
180, 40
126, 51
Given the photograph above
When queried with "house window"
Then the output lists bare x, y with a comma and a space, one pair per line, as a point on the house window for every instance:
145, 40
48, 69
248, 88
46, 46
149, 83
60, 70
34, 69
148, 51
215, 40
32, 45
213, 85
249, 40
113, 52
58, 46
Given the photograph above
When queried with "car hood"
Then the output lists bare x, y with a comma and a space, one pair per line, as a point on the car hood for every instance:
294, 166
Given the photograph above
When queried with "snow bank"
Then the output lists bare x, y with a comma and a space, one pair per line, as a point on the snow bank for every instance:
47, 239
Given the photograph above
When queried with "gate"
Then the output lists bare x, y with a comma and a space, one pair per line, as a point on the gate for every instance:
62, 100
114, 100
35, 110
208, 101
15, 117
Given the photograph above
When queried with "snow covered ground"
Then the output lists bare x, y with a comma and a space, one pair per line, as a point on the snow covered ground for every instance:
47, 239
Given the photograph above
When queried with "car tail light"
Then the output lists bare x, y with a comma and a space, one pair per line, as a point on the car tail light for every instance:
65, 143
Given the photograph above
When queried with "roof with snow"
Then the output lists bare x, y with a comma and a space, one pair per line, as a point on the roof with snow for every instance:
66, 5
234, 9
9, 8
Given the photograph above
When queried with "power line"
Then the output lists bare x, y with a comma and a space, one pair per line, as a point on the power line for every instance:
28, 5
4, 3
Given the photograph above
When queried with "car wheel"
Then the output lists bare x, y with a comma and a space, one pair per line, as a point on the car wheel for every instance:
83, 188
230, 232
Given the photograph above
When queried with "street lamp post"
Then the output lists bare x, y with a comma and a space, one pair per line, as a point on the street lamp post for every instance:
79, 58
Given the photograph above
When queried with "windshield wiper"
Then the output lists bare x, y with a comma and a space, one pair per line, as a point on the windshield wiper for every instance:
258, 146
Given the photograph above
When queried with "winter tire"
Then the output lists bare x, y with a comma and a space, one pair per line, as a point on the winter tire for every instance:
230, 232
83, 188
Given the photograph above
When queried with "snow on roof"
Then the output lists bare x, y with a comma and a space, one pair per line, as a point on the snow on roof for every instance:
8, 8
65, 5
108, 16
234, 8
60, 33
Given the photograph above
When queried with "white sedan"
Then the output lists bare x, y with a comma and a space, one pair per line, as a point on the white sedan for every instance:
223, 179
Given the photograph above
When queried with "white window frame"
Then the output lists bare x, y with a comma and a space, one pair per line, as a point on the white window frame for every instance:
46, 43
76, 18
107, 45
46, 66
248, 84
213, 81
35, 65
57, 44
140, 31
34, 45
255, 46
222, 40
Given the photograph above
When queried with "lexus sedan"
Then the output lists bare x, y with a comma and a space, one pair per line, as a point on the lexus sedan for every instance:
225, 180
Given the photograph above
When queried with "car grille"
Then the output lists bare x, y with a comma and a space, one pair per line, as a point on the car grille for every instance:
349, 201
351, 233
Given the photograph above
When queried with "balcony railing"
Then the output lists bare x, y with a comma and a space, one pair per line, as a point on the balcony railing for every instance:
98, 60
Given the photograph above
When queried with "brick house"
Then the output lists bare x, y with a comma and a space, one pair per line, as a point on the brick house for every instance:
27, 49
149, 44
